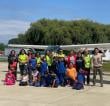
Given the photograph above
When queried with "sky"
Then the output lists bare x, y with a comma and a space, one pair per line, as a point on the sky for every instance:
16, 15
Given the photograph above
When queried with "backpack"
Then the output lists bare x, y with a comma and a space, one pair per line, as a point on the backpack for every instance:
78, 86
81, 77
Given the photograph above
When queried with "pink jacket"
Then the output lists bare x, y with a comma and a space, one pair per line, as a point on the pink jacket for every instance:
9, 79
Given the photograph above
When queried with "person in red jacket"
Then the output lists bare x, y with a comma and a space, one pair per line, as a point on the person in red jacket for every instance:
71, 58
13, 67
9, 78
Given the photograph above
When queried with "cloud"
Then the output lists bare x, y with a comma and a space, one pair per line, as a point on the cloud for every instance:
11, 28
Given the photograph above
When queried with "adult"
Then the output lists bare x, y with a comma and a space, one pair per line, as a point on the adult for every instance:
79, 62
38, 59
23, 60
87, 64
29, 53
71, 58
97, 66
49, 59
12, 61
61, 69
12, 57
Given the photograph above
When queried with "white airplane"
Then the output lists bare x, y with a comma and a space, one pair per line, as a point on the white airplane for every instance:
104, 46
64, 47
107, 55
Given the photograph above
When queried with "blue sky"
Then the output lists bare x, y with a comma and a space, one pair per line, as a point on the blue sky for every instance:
16, 15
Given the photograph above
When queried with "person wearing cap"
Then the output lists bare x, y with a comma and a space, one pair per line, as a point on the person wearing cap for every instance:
61, 54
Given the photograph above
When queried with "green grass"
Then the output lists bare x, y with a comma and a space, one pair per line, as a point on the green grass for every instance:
3, 59
106, 66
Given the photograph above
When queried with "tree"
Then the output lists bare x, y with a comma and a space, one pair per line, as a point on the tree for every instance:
60, 32
2, 46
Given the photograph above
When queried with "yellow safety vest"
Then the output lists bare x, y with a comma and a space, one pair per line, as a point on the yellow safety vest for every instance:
87, 61
23, 58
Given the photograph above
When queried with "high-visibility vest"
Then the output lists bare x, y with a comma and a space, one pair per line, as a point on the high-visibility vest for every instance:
23, 58
49, 60
87, 61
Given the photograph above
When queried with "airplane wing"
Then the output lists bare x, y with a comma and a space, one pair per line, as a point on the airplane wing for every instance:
101, 45
64, 47
28, 46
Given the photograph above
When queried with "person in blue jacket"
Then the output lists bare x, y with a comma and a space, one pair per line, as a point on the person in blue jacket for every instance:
32, 66
43, 71
60, 66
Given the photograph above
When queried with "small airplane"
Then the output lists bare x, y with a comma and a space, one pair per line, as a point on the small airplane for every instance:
104, 46
64, 47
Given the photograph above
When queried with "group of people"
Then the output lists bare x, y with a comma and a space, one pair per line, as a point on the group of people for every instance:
54, 70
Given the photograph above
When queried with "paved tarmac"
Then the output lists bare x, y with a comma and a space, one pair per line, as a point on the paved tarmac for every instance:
61, 96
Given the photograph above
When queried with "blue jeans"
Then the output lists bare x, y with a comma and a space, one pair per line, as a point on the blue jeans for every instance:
61, 77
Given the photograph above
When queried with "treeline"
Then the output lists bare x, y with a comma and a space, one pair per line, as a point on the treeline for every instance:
60, 32
2, 47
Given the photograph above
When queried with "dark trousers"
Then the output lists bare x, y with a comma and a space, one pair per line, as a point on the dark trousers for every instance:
22, 68
87, 73
43, 81
99, 70
30, 71
30, 75
61, 77
15, 74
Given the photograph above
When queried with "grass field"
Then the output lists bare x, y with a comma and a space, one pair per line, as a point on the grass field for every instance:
3, 58
106, 66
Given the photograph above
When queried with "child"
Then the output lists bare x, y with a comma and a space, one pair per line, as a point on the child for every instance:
36, 78
71, 74
54, 80
24, 80
79, 83
51, 80
9, 78
13, 67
